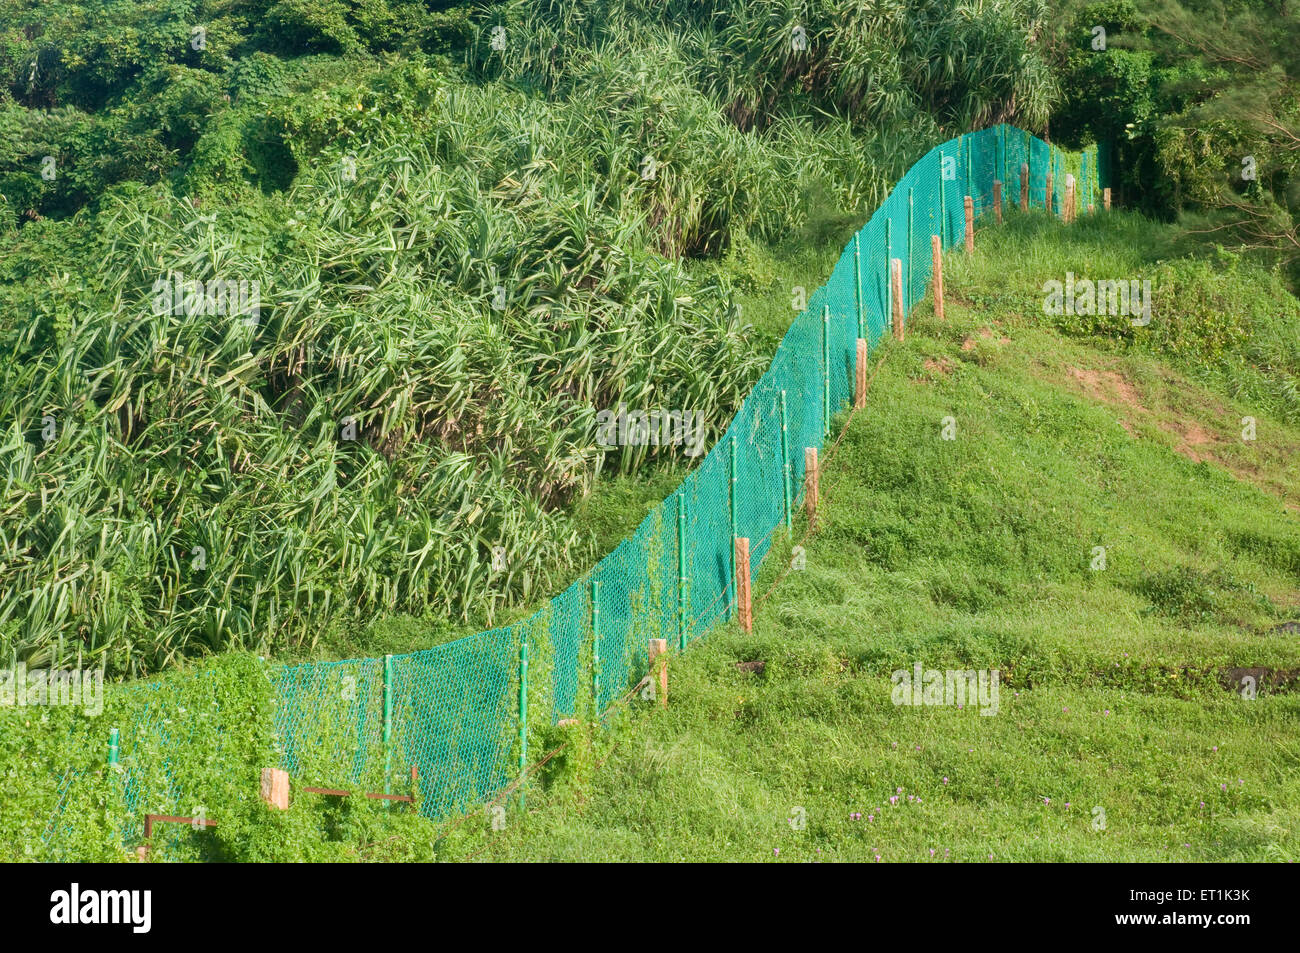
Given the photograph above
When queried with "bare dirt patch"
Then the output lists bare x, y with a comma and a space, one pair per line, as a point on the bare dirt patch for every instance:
1108, 387
1199, 424
985, 334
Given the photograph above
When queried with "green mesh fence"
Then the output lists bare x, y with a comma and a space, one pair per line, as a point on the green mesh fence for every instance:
455, 709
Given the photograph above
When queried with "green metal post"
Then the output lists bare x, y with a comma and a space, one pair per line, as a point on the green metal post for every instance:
857, 278
681, 571
595, 646
523, 714
1051, 167
943, 206
731, 543
826, 370
1029, 166
1002, 153
785, 467
388, 724
907, 276
966, 163
889, 257
113, 746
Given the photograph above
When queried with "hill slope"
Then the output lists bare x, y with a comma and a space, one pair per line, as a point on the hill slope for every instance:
1117, 735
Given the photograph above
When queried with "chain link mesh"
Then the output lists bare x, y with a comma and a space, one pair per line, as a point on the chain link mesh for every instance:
455, 708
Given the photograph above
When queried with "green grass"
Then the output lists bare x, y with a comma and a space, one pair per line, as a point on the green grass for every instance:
976, 553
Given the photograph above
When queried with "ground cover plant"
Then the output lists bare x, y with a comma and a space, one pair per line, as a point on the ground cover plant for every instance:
1122, 732
308, 311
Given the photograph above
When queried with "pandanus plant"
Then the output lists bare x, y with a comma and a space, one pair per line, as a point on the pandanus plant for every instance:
417, 391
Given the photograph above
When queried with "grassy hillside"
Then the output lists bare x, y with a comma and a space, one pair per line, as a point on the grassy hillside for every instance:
1120, 685
977, 553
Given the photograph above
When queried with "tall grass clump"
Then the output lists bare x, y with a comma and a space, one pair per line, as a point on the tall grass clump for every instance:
436, 333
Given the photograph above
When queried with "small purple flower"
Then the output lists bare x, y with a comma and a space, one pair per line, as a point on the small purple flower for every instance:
1047, 800
776, 851
894, 799
931, 851
945, 780
898, 790
871, 817
1106, 712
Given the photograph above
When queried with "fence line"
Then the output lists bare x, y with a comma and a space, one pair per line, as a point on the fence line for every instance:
463, 712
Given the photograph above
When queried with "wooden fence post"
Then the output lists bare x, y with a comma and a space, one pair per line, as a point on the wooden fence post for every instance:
997, 201
1024, 186
810, 482
658, 652
896, 274
1105, 199
746, 609
275, 788
1047, 193
860, 389
970, 226
1069, 198
936, 253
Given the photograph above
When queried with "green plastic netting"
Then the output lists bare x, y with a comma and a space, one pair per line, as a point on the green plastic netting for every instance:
455, 708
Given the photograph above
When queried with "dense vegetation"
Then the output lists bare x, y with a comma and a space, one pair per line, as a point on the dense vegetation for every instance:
464, 231
1196, 104
1117, 687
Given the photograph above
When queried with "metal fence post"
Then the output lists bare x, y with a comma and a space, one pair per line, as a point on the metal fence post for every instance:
907, 295
731, 544
785, 466
943, 210
595, 646
857, 277
388, 724
826, 371
681, 571
523, 714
